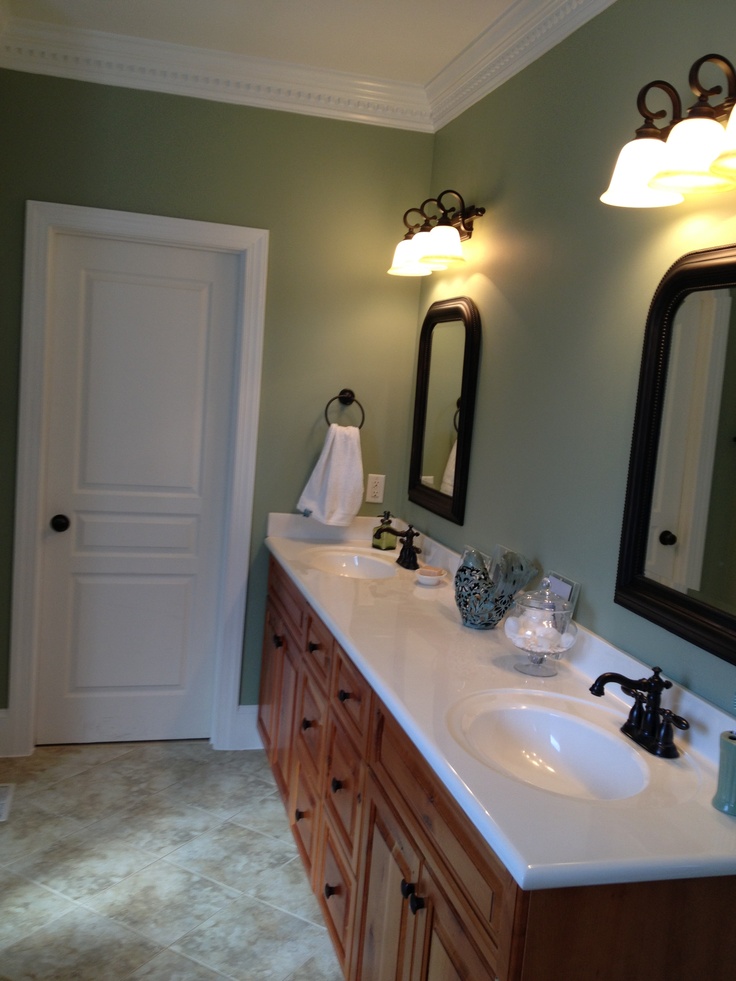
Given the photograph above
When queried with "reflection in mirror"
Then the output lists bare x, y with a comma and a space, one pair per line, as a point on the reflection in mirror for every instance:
677, 565
443, 406
449, 346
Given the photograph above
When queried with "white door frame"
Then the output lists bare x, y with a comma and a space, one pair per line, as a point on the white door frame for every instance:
233, 726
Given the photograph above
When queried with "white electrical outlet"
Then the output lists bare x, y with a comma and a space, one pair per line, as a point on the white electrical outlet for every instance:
374, 488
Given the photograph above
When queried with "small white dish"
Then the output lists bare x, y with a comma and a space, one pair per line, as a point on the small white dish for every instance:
430, 575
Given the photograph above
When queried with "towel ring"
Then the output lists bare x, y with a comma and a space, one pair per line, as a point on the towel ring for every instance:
346, 397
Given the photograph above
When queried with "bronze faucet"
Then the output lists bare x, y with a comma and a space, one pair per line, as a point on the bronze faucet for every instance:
408, 555
649, 725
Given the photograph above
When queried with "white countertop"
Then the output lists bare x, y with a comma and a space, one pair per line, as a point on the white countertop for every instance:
410, 645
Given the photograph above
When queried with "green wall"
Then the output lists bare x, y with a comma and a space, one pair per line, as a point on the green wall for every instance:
331, 194
563, 283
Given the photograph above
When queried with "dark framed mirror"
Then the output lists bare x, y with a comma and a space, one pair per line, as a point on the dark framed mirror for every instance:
444, 407
677, 563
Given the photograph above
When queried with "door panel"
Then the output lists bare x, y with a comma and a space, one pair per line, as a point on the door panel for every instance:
140, 381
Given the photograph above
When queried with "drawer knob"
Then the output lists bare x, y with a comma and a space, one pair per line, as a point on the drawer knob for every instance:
344, 695
329, 890
306, 724
336, 785
415, 903
278, 641
312, 647
407, 888
298, 815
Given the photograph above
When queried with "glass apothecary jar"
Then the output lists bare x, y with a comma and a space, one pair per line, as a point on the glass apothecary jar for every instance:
541, 624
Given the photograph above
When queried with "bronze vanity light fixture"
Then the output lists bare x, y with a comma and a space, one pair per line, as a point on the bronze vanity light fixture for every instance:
434, 235
689, 154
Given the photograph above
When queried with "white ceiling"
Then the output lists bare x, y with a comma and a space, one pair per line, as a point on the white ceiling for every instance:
408, 63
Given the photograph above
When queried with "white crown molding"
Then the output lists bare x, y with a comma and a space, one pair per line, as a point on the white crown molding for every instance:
138, 63
524, 33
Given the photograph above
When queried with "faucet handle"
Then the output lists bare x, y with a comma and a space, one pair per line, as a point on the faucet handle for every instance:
677, 720
632, 726
664, 744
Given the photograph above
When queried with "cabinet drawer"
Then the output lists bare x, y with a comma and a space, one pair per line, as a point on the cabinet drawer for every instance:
318, 652
309, 725
351, 699
291, 602
304, 817
343, 783
336, 892
462, 858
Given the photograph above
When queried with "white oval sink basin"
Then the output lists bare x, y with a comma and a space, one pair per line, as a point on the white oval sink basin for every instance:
355, 563
554, 742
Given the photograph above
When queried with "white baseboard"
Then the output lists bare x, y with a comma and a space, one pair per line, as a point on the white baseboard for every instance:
242, 733
13, 738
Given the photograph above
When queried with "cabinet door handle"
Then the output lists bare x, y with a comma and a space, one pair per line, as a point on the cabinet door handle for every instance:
415, 903
298, 815
336, 785
312, 647
306, 724
278, 641
344, 695
329, 890
407, 888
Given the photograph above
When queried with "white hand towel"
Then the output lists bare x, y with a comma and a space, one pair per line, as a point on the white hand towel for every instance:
334, 492
448, 477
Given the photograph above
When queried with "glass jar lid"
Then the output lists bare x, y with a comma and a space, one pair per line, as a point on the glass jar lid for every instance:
544, 599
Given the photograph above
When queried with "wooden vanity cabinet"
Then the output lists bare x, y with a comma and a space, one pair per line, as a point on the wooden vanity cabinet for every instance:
463, 901
409, 889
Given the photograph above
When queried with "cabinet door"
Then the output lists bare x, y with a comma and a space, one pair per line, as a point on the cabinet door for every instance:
336, 893
270, 693
282, 761
443, 950
384, 924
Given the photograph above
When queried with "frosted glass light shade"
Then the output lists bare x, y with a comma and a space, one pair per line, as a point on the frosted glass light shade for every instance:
725, 163
442, 247
422, 249
691, 148
405, 262
637, 163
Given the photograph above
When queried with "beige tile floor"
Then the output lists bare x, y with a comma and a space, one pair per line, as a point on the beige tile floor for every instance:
157, 861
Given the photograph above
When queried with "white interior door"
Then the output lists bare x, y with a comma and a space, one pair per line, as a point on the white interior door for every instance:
138, 413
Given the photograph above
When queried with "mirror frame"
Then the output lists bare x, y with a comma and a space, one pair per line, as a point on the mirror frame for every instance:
700, 623
444, 311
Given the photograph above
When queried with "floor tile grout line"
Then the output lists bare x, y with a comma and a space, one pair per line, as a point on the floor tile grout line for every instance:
260, 789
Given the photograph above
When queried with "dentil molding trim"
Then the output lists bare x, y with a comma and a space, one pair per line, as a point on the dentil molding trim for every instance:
519, 37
